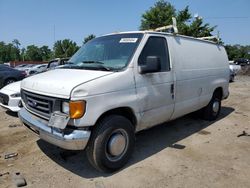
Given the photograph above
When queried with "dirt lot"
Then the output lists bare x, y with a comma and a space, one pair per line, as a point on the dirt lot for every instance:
187, 152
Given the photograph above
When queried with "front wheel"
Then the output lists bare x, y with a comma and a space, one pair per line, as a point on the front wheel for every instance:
212, 110
111, 143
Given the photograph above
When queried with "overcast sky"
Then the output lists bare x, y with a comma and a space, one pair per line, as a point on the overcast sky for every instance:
33, 21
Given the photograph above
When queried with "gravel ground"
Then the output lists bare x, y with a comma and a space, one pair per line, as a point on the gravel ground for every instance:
187, 152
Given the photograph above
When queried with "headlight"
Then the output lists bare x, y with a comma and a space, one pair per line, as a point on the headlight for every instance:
65, 107
75, 109
15, 95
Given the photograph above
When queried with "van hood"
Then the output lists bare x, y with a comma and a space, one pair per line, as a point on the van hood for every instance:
60, 82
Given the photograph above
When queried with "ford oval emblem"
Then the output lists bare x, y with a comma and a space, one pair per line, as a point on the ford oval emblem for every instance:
33, 103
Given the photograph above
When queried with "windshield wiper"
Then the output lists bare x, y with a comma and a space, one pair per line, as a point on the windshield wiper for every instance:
68, 63
100, 65
90, 62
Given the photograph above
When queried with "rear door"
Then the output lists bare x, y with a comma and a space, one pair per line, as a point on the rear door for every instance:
155, 91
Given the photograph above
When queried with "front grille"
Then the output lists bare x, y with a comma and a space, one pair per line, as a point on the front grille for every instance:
4, 99
39, 104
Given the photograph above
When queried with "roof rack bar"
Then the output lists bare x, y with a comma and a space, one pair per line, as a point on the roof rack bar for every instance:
217, 37
208, 38
163, 28
175, 31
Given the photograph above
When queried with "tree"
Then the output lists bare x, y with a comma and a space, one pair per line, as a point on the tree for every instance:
2, 52
65, 48
23, 53
16, 43
15, 49
237, 51
46, 53
198, 29
33, 53
161, 14
9, 52
88, 38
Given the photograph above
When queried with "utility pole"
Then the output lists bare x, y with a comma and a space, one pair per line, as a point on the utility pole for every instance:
54, 33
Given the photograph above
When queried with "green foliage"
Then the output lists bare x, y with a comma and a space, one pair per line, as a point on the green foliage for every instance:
65, 48
88, 38
16, 43
34, 53
237, 51
46, 53
198, 29
9, 52
161, 14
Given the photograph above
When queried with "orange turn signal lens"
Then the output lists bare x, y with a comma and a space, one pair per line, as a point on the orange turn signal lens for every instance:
77, 109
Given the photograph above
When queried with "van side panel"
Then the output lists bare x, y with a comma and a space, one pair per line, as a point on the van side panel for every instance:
200, 68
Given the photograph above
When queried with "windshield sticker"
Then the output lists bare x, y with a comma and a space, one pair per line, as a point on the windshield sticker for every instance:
128, 40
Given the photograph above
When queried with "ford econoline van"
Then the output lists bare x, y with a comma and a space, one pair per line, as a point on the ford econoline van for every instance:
118, 84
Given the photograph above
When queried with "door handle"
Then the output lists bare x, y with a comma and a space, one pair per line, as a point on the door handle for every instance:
172, 90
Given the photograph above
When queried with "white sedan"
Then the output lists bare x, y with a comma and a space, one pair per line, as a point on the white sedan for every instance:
10, 97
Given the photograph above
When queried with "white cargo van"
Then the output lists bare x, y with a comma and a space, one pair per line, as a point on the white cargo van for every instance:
119, 84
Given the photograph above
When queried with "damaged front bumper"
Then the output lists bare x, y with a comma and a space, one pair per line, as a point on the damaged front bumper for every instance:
71, 139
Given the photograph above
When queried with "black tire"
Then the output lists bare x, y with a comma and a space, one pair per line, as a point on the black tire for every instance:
106, 130
9, 81
208, 112
231, 79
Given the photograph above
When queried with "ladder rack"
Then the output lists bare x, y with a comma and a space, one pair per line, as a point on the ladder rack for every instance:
175, 30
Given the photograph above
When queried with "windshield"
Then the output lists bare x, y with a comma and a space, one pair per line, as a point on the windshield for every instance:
108, 53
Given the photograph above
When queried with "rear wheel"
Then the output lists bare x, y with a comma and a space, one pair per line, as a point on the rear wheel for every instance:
231, 78
212, 110
111, 143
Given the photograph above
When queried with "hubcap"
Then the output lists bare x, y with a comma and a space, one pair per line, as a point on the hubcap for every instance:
117, 145
216, 106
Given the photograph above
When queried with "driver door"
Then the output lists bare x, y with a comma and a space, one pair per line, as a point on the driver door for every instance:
155, 91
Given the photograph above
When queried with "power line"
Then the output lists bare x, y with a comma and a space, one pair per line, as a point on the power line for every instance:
227, 17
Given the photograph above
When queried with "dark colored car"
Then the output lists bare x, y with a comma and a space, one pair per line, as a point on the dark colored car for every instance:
242, 61
9, 75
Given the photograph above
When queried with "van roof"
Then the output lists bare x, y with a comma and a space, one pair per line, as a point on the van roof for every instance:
163, 33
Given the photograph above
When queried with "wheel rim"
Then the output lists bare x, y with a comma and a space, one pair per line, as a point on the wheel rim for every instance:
216, 107
117, 145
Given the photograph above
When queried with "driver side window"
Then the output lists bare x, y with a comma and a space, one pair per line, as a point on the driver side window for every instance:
156, 46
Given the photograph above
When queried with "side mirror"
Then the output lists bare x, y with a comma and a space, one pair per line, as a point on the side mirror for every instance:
152, 64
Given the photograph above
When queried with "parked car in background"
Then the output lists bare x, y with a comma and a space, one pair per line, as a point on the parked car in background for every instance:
25, 67
234, 69
242, 61
37, 69
231, 75
28, 68
9, 75
10, 97
20, 67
